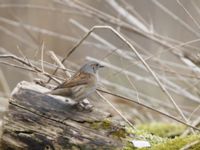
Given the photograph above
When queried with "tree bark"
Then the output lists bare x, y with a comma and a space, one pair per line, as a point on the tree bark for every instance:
37, 121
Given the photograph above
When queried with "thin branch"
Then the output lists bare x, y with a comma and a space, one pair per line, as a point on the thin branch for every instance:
115, 21
42, 57
123, 117
16, 66
29, 64
123, 54
171, 86
129, 17
4, 83
53, 56
33, 70
194, 20
132, 10
40, 7
136, 53
175, 17
189, 145
148, 107
74, 48
149, 69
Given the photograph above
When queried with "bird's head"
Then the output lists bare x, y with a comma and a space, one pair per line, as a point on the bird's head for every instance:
91, 67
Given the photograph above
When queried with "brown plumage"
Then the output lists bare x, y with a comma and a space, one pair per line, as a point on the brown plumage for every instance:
81, 85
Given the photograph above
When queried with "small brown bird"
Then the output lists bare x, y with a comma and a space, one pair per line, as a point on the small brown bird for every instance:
81, 85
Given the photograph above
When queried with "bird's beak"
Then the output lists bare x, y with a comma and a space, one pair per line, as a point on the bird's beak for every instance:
101, 66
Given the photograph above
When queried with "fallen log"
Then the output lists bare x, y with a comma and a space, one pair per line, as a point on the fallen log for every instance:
37, 121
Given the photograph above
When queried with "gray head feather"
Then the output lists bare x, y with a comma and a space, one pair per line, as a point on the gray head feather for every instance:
91, 67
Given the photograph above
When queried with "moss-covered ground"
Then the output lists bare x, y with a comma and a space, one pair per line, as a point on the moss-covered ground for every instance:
163, 136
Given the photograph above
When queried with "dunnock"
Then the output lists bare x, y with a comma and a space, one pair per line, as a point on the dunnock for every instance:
81, 85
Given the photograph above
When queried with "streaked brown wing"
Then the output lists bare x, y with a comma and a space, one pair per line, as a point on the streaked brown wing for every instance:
62, 92
77, 79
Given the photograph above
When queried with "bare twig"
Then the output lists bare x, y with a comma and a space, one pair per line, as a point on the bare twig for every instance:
75, 46
58, 79
4, 84
149, 69
129, 17
100, 39
136, 53
40, 7
42, 57
23, 62
188, 146
180, 91
28, 64
175, 17
134, 12
195, 123
16, 36
16, 66
123, 117
115, 21
53, 56
150, 108
194, 20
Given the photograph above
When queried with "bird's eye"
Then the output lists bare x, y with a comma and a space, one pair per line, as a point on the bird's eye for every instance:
94, 65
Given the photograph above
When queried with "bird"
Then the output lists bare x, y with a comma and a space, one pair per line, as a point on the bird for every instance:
81, 85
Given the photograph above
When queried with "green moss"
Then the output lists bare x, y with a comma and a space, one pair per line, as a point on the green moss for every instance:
176, 143
144, 135
171, 144
151, 133
119, 133
95, 125
106, 124
159, 143
129, 146
110, 128
162, 129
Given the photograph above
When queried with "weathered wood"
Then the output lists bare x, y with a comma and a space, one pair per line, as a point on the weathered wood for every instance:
37, 121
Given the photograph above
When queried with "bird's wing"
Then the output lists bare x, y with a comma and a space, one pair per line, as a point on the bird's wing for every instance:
76, 80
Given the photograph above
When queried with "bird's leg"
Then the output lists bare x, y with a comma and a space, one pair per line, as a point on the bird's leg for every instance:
84, 105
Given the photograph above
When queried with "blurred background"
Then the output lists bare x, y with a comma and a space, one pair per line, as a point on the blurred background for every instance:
164, 33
